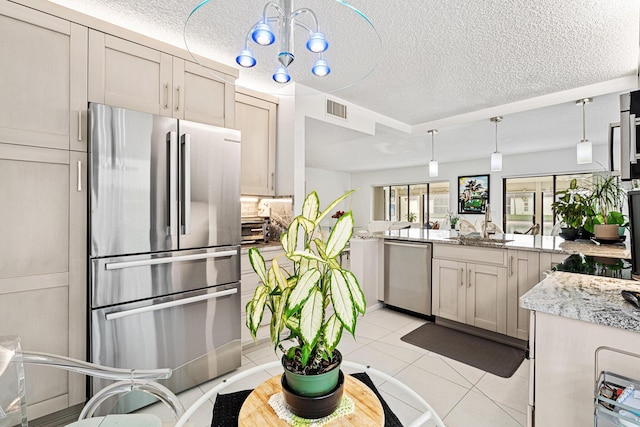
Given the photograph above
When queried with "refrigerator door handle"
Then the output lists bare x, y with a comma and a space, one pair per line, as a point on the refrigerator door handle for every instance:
186, 183
172, 146
176, 303
168, 260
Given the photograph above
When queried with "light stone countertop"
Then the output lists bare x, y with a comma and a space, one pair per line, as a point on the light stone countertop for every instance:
554, 244
592, 299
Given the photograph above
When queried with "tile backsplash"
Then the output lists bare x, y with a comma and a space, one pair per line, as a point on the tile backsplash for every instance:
278, 210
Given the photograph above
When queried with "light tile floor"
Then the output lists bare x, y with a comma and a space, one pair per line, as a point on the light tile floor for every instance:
462, 395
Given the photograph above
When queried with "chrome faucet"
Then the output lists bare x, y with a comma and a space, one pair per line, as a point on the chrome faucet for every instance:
487, 221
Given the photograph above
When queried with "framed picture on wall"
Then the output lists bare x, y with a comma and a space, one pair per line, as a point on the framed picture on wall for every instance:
473, 194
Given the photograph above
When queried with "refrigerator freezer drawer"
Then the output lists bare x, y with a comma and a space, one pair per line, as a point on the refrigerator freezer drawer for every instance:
196, 333
140, 277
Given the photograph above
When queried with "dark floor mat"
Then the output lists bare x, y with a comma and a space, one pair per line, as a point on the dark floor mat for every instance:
499, 359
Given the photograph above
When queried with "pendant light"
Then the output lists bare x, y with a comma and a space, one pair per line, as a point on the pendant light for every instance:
496, 156
433, 164
584, 151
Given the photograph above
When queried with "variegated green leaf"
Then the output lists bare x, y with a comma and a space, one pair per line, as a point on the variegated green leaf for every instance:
306, 352
334, 264
284, 241
340, 235
300, 294
341, 299
332, 333
356, 291
333, 204
278, 274
254, 315
307, 224
311, 206
278, 319
249, 309
306, 254
258, 265
321, 247
292, 236
293, 323
311, 317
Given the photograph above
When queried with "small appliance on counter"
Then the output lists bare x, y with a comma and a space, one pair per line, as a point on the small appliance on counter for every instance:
255, 230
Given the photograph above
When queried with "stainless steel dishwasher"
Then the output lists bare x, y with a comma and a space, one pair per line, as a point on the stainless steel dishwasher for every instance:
407, 275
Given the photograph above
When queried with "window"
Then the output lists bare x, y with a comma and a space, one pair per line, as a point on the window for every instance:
417, 203
527, 201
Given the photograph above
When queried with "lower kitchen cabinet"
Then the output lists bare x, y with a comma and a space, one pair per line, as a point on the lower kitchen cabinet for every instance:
524, 274
474, 293
469, 293
249, 282
43, 265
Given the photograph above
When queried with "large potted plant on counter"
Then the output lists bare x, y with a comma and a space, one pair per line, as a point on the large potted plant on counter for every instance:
314, 302
605, 216
571, 206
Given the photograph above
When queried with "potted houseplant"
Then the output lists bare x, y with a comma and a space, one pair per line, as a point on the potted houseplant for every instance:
605, 218
571, 206
314, 302
453, 219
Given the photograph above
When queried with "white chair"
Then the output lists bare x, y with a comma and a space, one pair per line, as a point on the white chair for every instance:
13, 397
465, 226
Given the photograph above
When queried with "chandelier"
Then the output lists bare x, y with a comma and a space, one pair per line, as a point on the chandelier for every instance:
287, 19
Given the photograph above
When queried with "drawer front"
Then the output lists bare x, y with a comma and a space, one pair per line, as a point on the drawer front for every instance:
486, 256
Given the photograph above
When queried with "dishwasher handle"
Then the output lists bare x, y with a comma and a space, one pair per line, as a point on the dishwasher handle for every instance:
426, 246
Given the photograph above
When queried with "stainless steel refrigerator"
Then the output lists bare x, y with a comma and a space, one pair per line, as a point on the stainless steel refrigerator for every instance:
164, 229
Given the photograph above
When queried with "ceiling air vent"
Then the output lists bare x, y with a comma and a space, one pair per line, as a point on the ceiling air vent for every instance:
337, 110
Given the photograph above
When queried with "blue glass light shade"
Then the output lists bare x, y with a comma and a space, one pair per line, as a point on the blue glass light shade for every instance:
317, 43
263, 35
246, 59
281, 75
320, 68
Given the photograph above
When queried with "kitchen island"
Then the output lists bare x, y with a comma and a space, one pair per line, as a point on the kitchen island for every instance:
476, 283
549, 244
580, 326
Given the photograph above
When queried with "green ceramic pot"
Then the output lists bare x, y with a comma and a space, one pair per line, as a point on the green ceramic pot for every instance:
313, 385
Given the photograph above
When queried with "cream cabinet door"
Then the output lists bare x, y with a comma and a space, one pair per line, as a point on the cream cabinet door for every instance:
201, 94
129, 75
524, 274
256, 120
486, 303
449, 289
44, 79
42, 265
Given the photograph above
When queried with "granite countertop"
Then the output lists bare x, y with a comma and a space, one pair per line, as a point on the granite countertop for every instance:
263, 247
539, 243
592, 299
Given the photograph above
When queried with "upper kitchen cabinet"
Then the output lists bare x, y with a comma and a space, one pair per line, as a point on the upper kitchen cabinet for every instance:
44, 79
133, 76
202, 94
256, 119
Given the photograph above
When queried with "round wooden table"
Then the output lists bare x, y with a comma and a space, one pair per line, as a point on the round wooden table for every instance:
256, 410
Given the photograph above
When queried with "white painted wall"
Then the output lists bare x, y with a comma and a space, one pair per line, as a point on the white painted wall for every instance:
547, 163
329, 185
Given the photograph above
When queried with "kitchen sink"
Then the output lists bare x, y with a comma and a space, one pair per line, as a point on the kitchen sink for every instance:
477, 239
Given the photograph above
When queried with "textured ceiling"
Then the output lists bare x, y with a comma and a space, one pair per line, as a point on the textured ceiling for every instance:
437, 59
